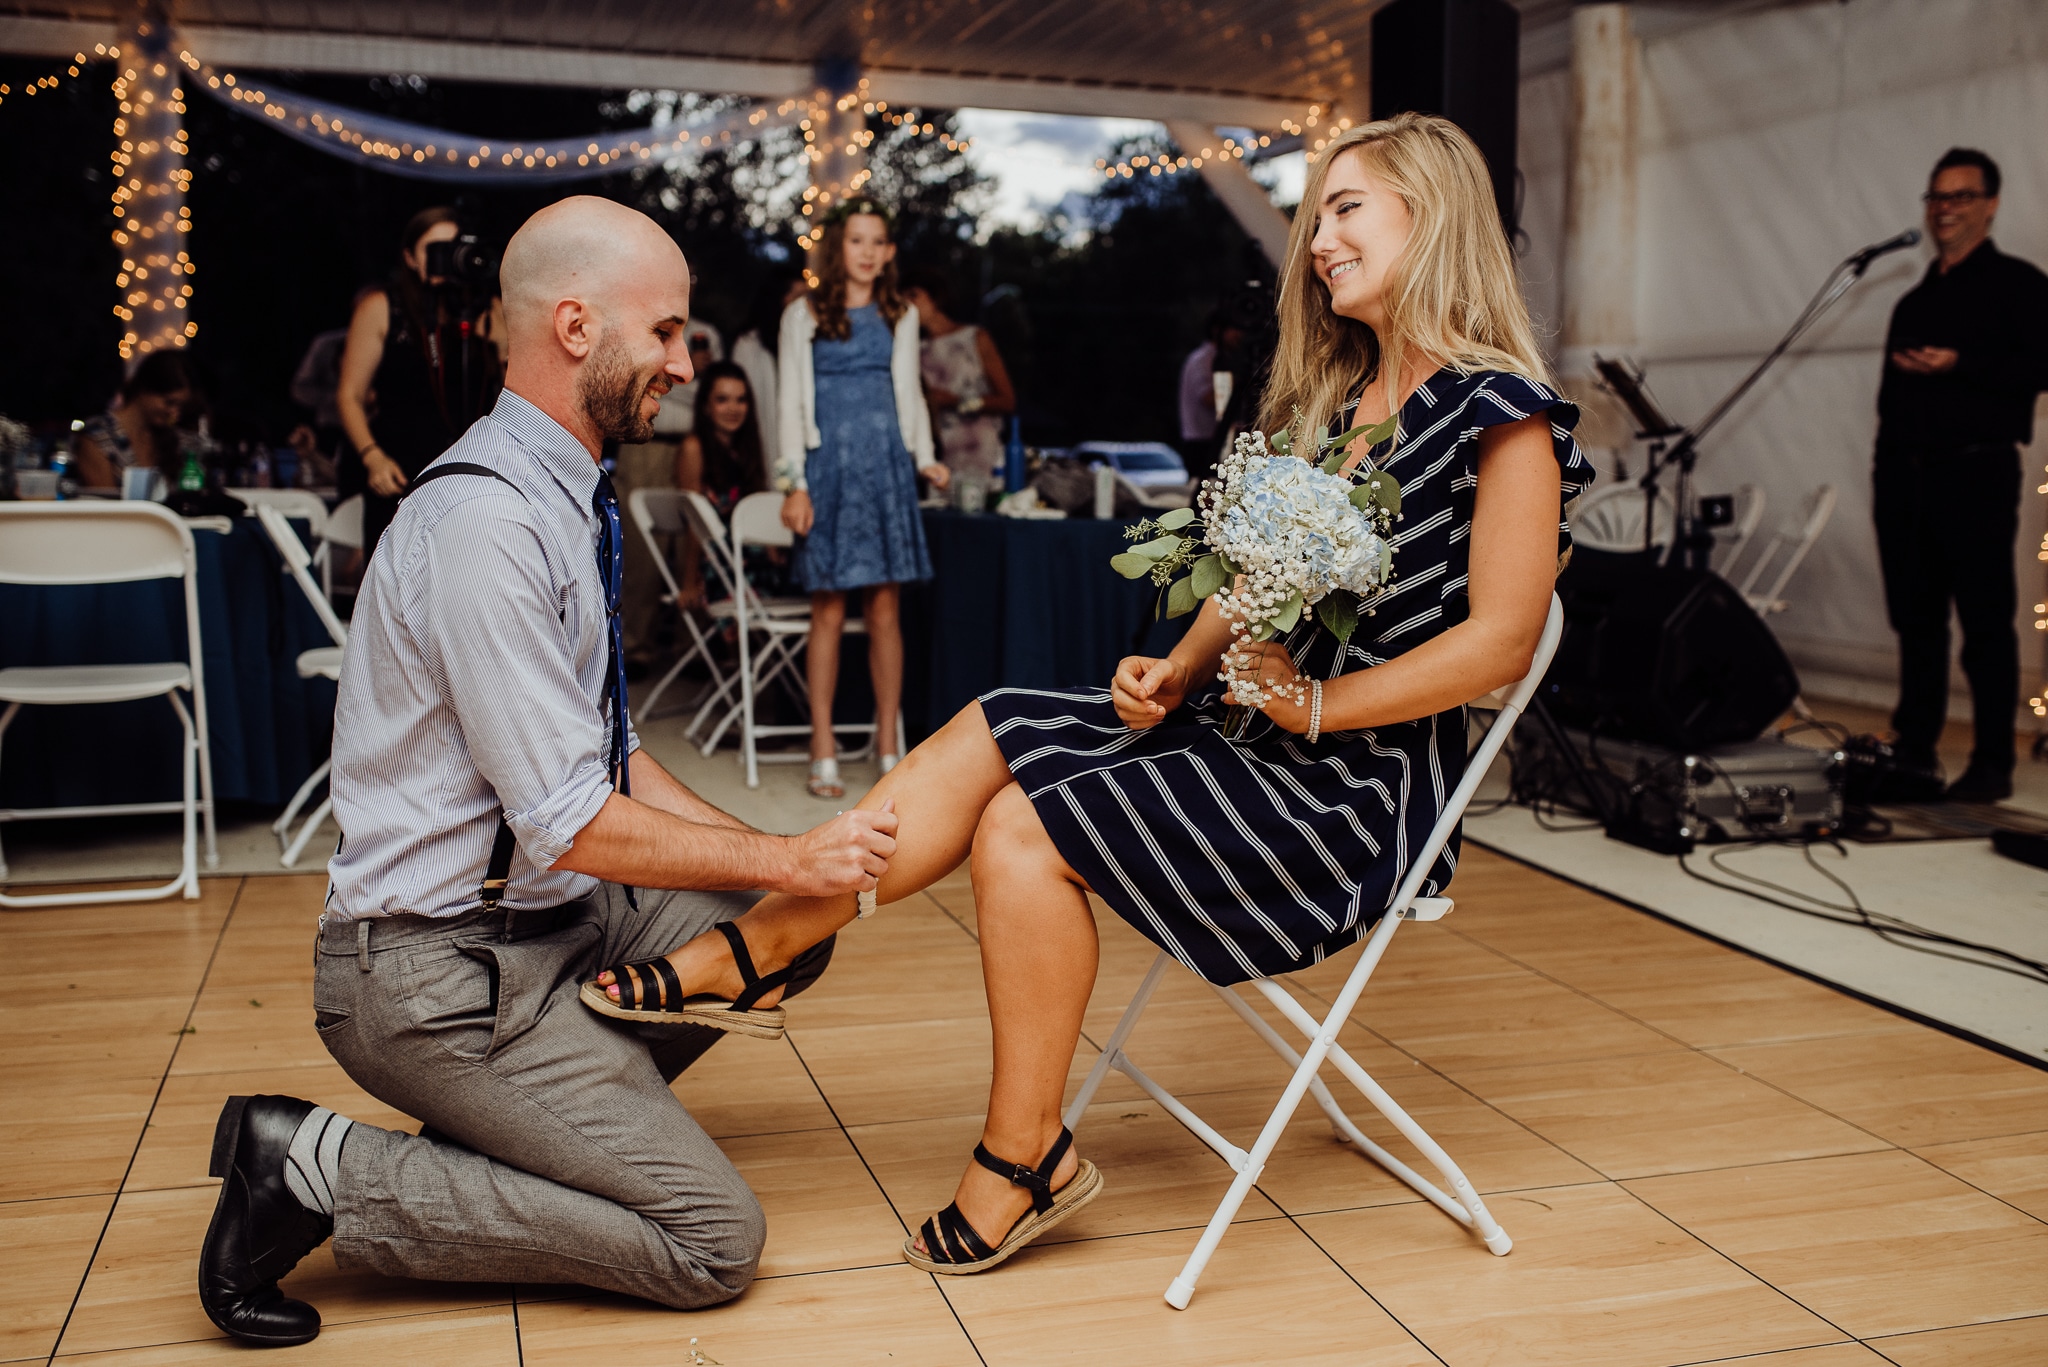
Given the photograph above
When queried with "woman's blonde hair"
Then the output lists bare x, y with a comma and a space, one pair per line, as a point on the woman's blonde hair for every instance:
1452, 294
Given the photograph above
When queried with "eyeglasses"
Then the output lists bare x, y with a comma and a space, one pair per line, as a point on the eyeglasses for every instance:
1952, 199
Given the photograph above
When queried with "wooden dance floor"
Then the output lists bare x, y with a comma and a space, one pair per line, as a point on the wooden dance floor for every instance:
1700, 1158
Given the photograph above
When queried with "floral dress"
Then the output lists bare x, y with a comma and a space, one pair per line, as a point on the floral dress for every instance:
1250, 857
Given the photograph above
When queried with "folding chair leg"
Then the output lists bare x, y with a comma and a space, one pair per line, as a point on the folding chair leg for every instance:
1467, 1208
298, 845
1182, 1289
1111, 1050
283, 824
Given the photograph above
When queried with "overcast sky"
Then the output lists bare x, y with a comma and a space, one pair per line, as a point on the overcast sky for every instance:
1037, 160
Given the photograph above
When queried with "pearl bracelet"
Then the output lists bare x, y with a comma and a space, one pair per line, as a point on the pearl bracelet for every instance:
1315, 710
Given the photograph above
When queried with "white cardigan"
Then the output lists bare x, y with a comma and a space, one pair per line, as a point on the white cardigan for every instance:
796, 396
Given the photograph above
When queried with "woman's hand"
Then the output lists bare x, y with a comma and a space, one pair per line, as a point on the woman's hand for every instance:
940, 474
1145, 690
797, 513
1268, 665
385, 476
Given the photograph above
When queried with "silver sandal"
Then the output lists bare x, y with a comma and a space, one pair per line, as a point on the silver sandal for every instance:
824, 779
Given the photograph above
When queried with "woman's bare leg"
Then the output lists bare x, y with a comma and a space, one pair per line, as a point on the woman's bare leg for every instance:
940, 790
821, 668
885, 663
1038, 958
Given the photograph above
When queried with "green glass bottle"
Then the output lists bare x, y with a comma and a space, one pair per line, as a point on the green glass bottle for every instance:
192, 479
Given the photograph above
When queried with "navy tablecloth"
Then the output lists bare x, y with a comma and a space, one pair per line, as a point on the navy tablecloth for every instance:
1024, 603
268, 727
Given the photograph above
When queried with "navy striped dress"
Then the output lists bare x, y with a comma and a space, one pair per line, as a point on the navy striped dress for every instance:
1262, 855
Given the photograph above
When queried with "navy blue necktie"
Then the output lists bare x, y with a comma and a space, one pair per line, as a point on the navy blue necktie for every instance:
611, 561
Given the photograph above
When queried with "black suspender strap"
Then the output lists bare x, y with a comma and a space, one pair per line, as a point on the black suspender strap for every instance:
459, 467
499, 872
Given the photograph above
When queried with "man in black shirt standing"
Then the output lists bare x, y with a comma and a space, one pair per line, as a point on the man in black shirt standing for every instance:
1966, 353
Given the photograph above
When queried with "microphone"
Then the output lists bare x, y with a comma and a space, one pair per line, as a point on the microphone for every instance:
1860, 262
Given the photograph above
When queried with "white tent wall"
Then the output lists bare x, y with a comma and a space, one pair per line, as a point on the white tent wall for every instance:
1772, 144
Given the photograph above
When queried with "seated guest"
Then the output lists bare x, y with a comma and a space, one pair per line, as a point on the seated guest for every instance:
964, 381
139, 430
721, 457
504, 839
1264, 853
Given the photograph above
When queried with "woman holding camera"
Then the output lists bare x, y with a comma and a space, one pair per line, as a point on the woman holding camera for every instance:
407, 389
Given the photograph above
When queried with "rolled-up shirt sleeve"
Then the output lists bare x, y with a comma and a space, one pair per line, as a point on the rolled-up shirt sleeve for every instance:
493, 637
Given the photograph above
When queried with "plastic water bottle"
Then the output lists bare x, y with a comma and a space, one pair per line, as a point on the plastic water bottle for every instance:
1013, 457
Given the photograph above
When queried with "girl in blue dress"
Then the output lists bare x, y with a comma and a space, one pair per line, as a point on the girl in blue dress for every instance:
1255, 854
854, 435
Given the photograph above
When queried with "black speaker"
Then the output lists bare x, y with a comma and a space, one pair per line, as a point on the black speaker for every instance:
1662, 654
1460, 59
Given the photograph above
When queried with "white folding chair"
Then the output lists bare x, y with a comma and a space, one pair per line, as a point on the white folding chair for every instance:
1788, 546
1463, 1203
659, 514
757, 521
48, 544
321, 662
714, 540
344, 531
1732, 545
1611, 519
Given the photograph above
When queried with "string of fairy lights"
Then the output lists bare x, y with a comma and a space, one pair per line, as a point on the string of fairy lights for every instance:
824, 143
1225, 149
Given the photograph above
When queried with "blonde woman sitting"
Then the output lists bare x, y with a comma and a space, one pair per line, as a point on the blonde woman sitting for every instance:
1255, 856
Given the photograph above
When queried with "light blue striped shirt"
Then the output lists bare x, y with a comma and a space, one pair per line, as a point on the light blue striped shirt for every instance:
474, 682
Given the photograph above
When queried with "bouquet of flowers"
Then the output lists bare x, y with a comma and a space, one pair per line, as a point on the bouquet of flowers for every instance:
1275, 534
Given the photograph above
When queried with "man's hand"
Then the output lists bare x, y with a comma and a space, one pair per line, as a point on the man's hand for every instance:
1145, 690
1926, 360
797, 513
849, 853
939, 474
385, 476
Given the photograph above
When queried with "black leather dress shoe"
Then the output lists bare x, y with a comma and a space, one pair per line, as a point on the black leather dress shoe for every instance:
1981, 785
259, 1230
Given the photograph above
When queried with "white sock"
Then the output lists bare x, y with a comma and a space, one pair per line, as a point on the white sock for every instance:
313, 1165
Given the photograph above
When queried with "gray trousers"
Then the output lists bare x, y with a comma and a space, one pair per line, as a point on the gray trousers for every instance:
558, 1152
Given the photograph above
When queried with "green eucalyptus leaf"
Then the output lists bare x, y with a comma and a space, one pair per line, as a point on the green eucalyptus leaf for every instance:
1158, 548
1208, 576
1338, 612
1131, 565
1379, 432
1333, 464
1344, 439
1178, 518
1386, 490
1281, 443
1289, 615
1230, 567
1180, 599
1362, 499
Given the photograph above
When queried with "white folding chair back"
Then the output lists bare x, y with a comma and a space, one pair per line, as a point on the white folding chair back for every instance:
1462, 1201
301, 504
343, 530
661, 515
757, 521
1611, 519
52, 544
1788, 548
321, 662
1732, 545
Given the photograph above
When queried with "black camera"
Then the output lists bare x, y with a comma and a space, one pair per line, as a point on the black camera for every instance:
463, 263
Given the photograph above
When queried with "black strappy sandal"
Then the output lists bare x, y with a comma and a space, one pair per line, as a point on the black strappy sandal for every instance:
953, 1248
649, 990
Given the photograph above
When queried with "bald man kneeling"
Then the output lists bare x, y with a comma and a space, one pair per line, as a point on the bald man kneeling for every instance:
504, 841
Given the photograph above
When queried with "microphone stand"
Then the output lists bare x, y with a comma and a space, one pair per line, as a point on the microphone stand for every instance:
1693, 544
